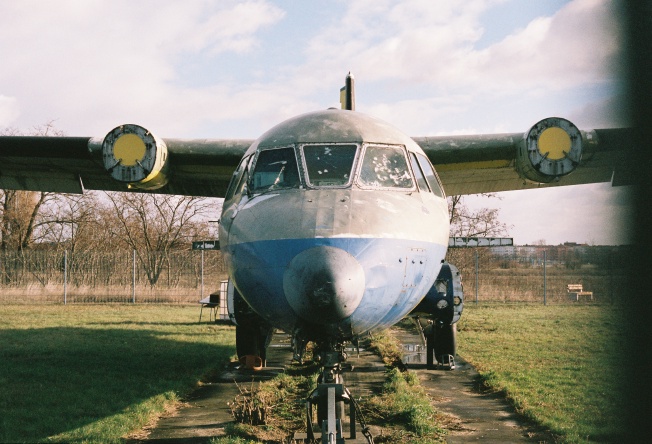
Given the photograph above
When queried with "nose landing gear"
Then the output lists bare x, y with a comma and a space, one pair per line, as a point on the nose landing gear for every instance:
330, 398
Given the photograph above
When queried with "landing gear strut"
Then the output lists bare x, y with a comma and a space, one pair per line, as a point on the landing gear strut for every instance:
252, 334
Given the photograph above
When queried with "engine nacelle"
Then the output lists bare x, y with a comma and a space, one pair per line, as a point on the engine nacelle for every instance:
551, 149
133, 155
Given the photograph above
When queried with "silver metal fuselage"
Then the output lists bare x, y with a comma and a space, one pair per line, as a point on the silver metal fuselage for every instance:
333, 262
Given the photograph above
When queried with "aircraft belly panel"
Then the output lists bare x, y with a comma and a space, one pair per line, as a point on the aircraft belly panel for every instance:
399, 275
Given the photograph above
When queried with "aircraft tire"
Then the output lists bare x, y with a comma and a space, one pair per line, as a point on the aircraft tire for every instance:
445, 341
252, 341
247, 341
430, 347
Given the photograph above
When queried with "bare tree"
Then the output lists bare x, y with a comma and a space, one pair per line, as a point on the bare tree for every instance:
19, 210
464, 222
154, 224
481, 223
71, 222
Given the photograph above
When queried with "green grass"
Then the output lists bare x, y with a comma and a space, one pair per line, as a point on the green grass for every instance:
561, 366
96, 373
81, 373
404, 409
405, 402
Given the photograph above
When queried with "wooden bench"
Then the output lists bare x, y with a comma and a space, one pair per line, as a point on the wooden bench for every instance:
576, 293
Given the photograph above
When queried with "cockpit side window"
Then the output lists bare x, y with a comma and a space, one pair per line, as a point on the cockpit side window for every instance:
238, 180
275, 169
329, 165
418, 174
385, 167
431, 176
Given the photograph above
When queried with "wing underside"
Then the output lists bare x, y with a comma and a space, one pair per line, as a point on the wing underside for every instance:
484, 164
74, 164
553, 153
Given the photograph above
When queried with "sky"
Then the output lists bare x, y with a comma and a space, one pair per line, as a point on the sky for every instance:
233, 69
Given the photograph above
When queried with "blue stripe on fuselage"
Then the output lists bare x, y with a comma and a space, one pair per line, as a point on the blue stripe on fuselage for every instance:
398, 273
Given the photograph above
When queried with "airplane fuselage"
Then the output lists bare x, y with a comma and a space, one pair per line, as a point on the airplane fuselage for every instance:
334, 225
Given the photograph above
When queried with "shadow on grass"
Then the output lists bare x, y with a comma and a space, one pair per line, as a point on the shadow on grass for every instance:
57, 380
155, 323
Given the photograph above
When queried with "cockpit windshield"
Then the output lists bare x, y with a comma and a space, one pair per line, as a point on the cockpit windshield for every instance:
276, 168
329, 165
385, 167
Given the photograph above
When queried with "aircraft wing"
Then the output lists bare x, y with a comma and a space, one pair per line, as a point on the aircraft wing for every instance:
552, 153
198, 167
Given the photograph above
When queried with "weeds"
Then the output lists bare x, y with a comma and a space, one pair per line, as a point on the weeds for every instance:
385, 345
406, 405
272, 409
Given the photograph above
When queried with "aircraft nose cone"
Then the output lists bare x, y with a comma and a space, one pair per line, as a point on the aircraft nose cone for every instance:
324, 284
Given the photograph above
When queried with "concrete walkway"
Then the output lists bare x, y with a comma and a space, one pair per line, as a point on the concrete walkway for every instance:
473, 416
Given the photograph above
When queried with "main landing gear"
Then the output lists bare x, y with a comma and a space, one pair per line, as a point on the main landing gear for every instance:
441, 344
252, 335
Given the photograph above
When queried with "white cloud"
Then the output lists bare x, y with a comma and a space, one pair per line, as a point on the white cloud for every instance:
116, 61
8, 111
413, 40
577, 46
193, 69
432, 45
111, 61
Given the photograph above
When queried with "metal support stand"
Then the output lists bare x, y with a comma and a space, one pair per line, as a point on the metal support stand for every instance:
330, 397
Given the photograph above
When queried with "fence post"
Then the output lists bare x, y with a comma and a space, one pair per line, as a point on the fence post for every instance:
545, 259
202, 275
65, 277
133, 278
476, 275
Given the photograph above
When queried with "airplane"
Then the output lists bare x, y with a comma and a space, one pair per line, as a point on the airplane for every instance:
334, 224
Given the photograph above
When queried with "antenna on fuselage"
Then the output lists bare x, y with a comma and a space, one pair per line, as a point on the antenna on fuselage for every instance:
347, 93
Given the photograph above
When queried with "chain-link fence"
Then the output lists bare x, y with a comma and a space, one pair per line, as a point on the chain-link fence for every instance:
505, 274
543, 274
168, 277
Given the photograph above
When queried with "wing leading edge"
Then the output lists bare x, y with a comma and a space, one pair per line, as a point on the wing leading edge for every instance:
503, 162
199, 167
552, 153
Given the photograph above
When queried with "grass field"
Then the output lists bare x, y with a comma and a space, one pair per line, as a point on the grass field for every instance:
562, 366
82, 373
95, 373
